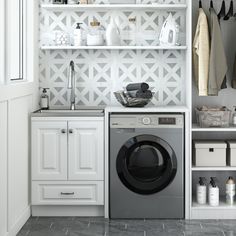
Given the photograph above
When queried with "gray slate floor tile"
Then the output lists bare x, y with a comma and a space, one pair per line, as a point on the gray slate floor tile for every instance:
74, 226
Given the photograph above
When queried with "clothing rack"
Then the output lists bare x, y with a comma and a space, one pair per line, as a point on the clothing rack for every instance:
222, 13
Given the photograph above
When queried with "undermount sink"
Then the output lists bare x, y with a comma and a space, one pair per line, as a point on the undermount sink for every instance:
84, 111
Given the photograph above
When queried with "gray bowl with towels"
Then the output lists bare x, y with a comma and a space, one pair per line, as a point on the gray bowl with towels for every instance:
136, 95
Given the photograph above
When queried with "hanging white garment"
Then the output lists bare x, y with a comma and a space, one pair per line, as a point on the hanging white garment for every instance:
201, 54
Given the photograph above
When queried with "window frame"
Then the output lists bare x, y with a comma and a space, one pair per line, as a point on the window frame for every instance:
22, 42
2, 42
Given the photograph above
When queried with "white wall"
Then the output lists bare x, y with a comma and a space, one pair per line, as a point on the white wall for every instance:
17, 101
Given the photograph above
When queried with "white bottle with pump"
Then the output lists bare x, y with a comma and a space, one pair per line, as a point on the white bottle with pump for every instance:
201, 191
214, 193
78, 40
44, 100
234, 117
230, 191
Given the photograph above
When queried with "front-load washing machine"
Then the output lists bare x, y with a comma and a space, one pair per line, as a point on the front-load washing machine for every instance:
146, 166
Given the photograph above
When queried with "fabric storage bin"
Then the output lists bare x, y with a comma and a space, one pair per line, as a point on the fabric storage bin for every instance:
213, 118
231, 154
209, 153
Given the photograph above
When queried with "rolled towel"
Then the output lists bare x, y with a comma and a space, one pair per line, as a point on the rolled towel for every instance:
137, 86
139, 94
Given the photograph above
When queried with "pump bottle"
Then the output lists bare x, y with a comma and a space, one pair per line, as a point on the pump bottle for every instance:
44, 100
230, 191
78, 35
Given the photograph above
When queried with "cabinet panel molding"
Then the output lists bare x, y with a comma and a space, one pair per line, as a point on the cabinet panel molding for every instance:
49, 150
86, 150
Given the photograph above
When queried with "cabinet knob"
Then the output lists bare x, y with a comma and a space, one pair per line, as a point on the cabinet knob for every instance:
63, 131
71, 131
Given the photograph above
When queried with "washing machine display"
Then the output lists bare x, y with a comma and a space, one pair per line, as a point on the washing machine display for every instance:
146, 164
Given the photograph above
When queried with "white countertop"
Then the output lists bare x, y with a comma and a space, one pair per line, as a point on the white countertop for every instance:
147, 109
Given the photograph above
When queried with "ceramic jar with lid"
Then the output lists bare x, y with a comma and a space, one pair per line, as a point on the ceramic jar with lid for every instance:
95, 36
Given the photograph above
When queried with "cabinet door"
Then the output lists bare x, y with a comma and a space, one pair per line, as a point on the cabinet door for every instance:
86, 150
49, 150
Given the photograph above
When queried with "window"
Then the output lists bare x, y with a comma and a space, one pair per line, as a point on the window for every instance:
2, 42
15, 40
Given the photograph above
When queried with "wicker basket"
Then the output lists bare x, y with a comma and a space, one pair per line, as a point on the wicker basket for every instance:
127, 101
211, 118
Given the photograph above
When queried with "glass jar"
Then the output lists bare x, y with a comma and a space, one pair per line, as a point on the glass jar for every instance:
132, 32
61, 38
95, 35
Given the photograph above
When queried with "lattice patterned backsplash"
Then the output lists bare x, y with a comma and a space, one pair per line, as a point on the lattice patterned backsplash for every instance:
100, 72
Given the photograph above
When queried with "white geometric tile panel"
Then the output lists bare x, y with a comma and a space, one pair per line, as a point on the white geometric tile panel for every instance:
101, 72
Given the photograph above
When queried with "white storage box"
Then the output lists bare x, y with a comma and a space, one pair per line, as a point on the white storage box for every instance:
231, 157
209, 153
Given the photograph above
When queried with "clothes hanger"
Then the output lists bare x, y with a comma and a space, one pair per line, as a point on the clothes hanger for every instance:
222, 10
200, 3
211, 4
230, 12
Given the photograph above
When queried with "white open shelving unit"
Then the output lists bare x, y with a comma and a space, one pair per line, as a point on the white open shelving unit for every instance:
223, 211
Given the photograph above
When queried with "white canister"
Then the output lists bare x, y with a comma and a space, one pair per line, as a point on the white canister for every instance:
95, 36
230, 191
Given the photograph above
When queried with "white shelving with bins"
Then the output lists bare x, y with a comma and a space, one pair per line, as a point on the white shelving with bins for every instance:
223, 211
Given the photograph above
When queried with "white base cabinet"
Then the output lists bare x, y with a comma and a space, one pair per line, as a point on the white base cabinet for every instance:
67, 161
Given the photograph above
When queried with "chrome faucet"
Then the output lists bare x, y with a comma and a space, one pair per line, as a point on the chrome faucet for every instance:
72, 85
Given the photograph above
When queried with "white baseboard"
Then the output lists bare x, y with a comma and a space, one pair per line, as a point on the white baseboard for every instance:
20, 222
80, 211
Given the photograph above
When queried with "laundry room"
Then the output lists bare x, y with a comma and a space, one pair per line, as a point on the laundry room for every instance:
117, 117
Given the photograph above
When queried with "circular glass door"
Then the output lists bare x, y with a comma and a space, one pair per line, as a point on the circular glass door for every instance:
146, 164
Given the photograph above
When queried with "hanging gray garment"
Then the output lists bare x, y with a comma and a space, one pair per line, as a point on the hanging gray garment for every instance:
228, 29
233, 83
218, 65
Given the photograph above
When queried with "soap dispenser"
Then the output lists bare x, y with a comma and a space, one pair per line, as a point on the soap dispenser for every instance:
201, 191
234, 117
78, 35
214, 193
230, 191
44, 100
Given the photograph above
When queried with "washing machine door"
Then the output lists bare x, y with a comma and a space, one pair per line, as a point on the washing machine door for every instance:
146, 164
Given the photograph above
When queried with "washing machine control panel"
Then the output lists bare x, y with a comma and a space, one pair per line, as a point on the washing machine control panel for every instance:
147, 120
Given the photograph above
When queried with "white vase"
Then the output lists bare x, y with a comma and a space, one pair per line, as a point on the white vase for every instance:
112, 34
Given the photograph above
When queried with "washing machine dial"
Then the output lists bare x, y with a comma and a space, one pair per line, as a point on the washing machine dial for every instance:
146, 121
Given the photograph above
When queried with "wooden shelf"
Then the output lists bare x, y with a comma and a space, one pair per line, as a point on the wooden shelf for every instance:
223, 168
197, 128
114, 6
114, 48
